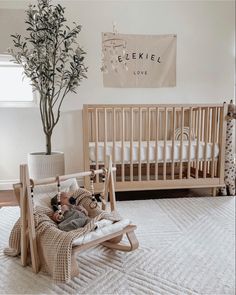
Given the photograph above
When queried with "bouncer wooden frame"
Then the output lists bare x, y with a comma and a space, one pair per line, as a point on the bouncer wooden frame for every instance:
28, 234
114, 126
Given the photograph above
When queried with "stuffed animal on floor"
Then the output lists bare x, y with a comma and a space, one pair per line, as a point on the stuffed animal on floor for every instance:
229, 188
72, 216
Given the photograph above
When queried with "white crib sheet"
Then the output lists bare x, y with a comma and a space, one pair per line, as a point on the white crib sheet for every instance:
104, 227
152, 151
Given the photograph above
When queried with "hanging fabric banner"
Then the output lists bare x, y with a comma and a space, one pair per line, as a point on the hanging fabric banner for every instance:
139, 60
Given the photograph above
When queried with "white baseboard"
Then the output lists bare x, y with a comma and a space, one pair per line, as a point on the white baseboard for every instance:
7, 184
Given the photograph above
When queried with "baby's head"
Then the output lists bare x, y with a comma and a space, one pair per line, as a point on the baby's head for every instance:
65, 199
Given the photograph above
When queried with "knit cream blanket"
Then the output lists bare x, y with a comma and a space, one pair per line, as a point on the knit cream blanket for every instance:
55, 246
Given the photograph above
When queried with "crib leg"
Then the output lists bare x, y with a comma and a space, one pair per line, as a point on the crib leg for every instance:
74, 266
214, 192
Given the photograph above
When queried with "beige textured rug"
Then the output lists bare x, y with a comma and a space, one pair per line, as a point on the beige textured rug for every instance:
187, 246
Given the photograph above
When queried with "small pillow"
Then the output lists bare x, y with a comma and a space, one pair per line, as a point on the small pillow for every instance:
177, 134
45, 192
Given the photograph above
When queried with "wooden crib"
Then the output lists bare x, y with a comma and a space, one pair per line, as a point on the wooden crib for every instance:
157, 146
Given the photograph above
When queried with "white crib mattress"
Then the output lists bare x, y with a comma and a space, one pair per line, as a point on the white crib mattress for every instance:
104, 227
152, 151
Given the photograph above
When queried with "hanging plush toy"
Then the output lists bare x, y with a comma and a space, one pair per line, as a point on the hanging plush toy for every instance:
229, 188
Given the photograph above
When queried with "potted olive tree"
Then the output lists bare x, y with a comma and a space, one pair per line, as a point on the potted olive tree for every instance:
52, 59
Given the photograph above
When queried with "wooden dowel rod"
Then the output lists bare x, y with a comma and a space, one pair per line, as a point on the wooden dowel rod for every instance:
181, 145
105, 138
217, 140
205, 142
189, 141
173, 144
114, 138
122, 145
140, 145
156, 143
96, 141
148, 143
198, 141
65, 177
165, 139
214, 122
131, 144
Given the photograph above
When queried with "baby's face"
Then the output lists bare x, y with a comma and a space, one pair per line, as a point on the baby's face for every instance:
64, 199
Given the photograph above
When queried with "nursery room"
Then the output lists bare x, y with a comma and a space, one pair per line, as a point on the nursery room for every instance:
118, 160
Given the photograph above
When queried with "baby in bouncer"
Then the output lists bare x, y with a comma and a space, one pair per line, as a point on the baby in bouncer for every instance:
71, 216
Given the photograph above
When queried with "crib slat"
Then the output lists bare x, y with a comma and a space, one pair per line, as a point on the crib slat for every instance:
201, 139
131, 143
114, 135
189, 141
96, 141
156, 143
181, 145
198, 140
217, 139
194, 128
122, 146
218, 125
206, 142
148, 143
210, 139
173, 145
165, 139
140, 143
214, 122
209, 135
105, 138
114, 139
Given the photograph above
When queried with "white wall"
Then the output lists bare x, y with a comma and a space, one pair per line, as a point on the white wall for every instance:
205, 67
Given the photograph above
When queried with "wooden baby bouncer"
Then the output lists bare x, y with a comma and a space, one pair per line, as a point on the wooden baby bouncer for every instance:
29, 243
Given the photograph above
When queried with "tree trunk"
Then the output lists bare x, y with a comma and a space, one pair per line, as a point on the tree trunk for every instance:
48, 144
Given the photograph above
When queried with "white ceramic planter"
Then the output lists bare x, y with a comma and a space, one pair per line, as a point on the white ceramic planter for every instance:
43, 166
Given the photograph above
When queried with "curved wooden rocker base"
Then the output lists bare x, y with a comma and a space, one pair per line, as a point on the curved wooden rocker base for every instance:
111, 241
133, 242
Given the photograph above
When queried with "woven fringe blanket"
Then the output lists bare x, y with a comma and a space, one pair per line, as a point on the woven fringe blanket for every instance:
55, 246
